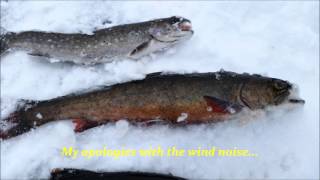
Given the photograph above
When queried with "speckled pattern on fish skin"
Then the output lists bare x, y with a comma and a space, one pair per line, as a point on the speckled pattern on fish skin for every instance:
174, 98
115, 43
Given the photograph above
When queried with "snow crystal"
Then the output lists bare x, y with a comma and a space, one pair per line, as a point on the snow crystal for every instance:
217, 76
231, 110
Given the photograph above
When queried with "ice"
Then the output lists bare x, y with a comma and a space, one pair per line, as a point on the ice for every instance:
278, 38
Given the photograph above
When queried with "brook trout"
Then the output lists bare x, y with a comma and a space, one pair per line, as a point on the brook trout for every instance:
173, 98
105, 45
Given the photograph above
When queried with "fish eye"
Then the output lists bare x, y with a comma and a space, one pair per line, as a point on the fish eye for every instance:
175, 19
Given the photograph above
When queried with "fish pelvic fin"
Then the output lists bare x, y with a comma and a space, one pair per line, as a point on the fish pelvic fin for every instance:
82, 125
222, 106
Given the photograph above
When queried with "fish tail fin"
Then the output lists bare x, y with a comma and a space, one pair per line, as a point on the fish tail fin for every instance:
4, 40
4, 46
16, 123
13, 125
14, 131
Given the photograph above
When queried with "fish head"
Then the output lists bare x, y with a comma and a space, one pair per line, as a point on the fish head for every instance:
171, 30
259, 92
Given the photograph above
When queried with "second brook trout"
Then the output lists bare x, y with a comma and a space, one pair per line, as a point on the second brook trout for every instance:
76, 174
104, 45
174, 98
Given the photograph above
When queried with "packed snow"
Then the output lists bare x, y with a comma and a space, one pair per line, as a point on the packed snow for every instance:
277, 39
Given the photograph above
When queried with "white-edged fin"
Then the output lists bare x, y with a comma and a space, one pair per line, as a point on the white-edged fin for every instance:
141, 50
149, 47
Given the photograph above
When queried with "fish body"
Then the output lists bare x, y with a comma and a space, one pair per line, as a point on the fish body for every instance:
74, 174
173, 98
105, 45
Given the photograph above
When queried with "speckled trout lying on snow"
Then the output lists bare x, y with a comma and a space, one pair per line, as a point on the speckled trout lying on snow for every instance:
105, 45
174, 98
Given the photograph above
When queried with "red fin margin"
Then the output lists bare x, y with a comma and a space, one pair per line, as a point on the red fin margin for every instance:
222, 106
82, 125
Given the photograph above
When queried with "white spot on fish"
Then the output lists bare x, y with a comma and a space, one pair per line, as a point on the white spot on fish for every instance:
209, 108
39, 116
182, 117
82, 54
49, 40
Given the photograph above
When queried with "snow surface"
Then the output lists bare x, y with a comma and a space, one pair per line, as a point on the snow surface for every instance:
278, 39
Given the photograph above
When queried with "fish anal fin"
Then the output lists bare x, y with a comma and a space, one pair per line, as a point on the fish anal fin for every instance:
222, 106
82, 125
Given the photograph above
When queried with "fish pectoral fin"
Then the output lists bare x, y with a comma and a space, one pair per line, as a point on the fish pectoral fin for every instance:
39, 54
140, 50
222, 106
82, 125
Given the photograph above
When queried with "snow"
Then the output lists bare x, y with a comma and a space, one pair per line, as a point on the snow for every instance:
277, 39
39, 116
182, 117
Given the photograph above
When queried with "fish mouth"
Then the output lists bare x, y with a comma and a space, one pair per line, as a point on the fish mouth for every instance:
292, 96
297, 101
185, 25
178, 29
